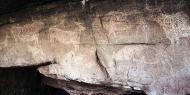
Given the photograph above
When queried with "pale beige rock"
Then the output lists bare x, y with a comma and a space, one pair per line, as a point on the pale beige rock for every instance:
75, 62
123, 28
121, 48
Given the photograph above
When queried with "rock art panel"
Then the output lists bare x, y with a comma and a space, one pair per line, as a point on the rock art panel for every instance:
145, 47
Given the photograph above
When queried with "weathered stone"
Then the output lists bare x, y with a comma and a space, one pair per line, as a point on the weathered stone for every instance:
121, 46
123, 28
75, 62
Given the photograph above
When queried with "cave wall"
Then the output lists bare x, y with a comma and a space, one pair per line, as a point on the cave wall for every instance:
119, 43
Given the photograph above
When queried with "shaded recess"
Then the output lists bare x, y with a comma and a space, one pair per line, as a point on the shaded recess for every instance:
7, 6
81, 88
25, 81
28, 81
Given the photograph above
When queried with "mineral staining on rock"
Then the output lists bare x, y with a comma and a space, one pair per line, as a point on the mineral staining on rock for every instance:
118, 46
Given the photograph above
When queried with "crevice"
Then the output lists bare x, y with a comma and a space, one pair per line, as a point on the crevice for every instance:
102, 67
101, 22
135, 44
31, 66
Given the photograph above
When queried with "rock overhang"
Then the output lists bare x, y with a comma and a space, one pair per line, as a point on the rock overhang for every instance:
143, 47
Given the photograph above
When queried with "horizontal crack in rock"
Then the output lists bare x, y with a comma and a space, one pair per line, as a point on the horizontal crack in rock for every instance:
31, 66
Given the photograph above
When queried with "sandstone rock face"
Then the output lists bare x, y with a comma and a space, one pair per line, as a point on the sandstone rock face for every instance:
132, 44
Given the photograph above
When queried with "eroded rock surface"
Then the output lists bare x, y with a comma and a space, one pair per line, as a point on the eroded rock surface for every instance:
144, 45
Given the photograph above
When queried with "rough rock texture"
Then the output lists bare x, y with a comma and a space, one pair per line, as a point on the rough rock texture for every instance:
123, 43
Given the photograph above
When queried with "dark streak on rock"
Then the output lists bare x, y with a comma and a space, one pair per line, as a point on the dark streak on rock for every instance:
102, 67
135, 44
101, 22
31, 66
